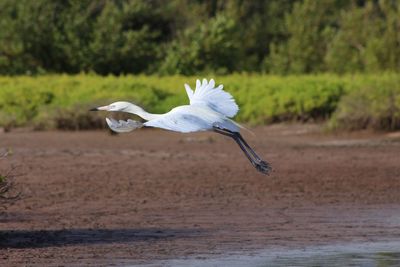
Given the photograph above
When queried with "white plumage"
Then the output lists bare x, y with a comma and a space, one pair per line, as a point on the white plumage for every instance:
192, 118
213, 97
209, 106
210, 109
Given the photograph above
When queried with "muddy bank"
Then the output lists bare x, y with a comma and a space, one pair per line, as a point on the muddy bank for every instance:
96, 199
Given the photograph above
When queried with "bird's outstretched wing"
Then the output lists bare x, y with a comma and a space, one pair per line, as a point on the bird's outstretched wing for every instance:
214, 97
122, 126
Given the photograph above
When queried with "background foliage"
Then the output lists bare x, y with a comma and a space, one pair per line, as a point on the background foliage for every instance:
335, 60
62, 101
191, 36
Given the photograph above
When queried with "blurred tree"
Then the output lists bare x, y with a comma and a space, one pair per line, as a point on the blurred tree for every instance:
19, 39
188, 36
390, 56
310, 27
246, 28
368, 39
71, 36
127, 36
211, 46
260, 23
349, 48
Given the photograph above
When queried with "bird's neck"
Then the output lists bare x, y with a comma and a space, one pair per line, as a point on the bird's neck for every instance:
147, 116
133, 109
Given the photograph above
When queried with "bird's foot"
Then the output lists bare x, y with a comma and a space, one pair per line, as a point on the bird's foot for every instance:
263, 167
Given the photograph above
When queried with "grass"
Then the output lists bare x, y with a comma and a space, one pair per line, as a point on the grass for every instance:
62, 101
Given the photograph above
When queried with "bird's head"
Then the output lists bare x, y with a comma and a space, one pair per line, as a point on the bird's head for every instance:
121, 126
122, 106
116, 106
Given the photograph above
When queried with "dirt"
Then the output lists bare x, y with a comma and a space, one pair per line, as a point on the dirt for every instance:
91, 198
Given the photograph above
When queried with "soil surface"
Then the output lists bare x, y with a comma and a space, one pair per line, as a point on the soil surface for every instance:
91, 198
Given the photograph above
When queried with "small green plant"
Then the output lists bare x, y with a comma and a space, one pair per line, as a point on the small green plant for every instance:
8, 192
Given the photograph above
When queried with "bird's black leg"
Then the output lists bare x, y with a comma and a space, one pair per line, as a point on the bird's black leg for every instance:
265, 165
247, 145
261, 165
230, 134
256, 161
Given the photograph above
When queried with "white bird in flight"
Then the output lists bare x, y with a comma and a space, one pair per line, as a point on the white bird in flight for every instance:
210, 109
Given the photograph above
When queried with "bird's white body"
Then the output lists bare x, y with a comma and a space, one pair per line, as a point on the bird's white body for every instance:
210, 109
192, 118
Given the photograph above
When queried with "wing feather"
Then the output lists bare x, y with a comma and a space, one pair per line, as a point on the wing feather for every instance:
189, 91
122, 126
216, 98
206, 94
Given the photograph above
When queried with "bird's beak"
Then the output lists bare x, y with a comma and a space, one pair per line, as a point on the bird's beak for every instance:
99, 108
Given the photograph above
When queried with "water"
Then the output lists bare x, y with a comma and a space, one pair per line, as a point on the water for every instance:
377, 254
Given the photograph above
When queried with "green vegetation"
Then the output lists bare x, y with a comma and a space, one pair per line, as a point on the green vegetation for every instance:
374, 105
191, 37
62, 101
66, 56
7, 187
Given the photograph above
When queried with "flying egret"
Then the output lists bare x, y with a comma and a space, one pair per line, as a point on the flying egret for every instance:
210, 109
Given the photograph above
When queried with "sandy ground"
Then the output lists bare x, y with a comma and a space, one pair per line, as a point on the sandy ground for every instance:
89, 198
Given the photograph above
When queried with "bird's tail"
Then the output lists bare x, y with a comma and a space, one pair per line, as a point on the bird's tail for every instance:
242, 127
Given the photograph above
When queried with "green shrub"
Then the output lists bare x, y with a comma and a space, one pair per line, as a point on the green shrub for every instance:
265, 99
62, 101
376, 106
